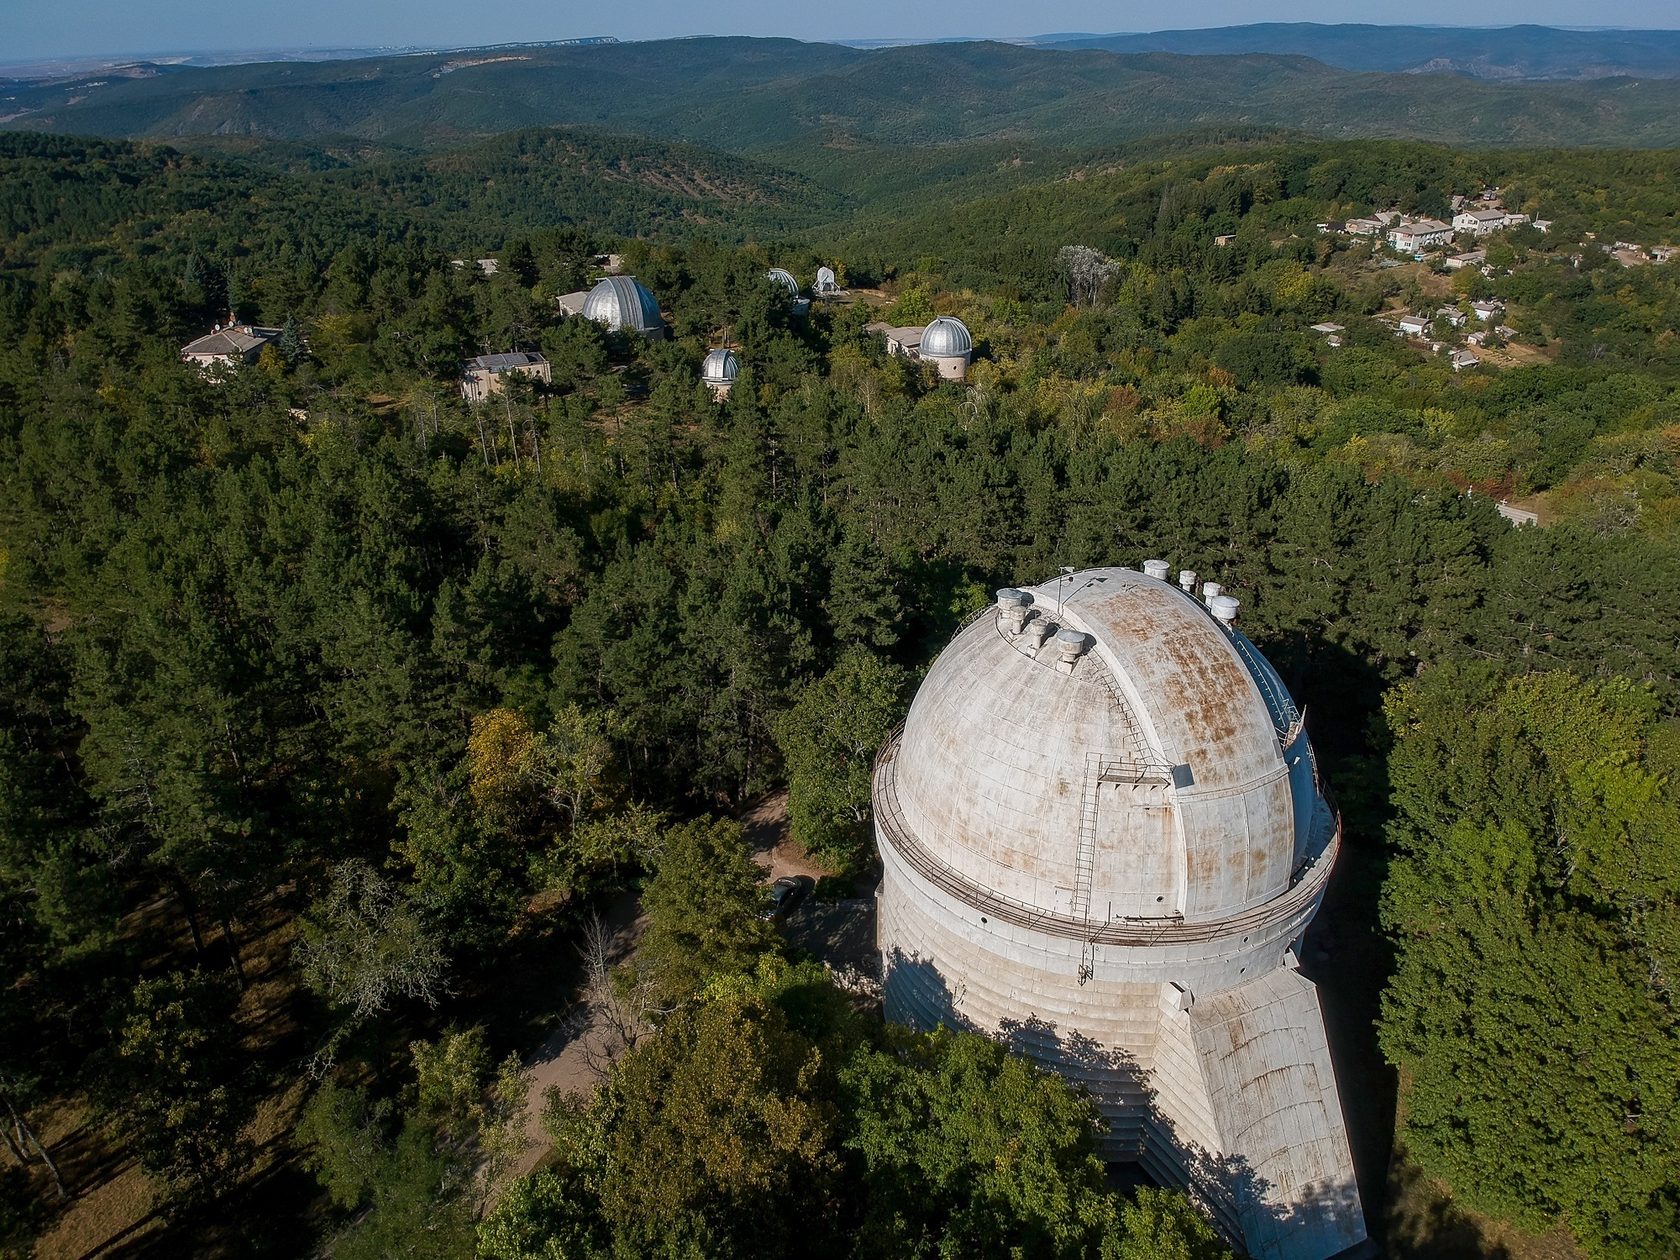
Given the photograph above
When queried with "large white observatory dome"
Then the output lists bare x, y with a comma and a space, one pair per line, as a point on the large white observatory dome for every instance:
1102, 835
623, 304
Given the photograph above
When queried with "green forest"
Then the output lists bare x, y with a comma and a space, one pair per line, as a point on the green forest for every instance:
335, 712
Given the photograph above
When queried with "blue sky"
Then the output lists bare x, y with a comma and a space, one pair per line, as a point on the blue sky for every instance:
38, 28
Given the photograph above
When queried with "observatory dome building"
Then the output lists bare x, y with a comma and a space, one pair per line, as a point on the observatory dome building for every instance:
719, 372
1103, 836
623, 304
947, 345
784, 281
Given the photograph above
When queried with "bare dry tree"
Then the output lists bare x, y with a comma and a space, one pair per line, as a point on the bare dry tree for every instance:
1088, 272
618, 1005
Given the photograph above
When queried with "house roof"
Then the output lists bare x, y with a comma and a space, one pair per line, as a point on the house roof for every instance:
505, 362
235, 339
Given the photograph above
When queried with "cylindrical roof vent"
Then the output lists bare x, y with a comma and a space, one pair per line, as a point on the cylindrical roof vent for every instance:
1210, 592
1187, 581
1071, 645
1038, 630
1157, 569
1012, 607
1225, 608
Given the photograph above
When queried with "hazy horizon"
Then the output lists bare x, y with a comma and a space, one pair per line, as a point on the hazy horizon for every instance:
110, 29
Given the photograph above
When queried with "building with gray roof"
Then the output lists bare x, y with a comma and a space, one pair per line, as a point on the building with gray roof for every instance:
488, 373
228, 346
1103, 836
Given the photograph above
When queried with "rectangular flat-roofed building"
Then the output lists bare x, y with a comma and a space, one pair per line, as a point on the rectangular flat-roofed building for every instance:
488, 373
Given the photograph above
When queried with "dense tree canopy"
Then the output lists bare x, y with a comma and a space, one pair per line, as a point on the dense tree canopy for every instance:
323, 693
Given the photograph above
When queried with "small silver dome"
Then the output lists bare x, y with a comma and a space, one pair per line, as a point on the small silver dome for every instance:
721, 367
783, 279
623, 304
946, 338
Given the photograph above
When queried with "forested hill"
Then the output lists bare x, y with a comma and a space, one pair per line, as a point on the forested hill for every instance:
62, 193
748, 95
1507, 52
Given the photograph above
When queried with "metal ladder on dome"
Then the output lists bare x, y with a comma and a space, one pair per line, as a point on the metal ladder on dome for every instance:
1085, 859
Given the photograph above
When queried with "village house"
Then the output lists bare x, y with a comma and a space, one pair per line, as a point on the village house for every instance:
1462, 359
1332, 333
1414, 235
227, 346
1478, 222
1487, 308
1452, 315
488, 374
1363, 227
1412, 326
1470, 258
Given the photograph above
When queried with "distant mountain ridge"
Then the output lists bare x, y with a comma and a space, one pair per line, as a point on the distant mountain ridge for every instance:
1509, 53
750, 96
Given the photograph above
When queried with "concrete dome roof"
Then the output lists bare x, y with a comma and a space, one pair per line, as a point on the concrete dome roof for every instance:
1168, 737
623, 304
784, 280
946, 337
720, 368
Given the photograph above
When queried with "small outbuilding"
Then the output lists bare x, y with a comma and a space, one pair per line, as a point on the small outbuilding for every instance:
828, 285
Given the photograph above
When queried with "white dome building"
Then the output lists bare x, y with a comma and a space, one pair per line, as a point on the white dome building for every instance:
719, 372
784, 281
623, 304
947, 345
1102, 837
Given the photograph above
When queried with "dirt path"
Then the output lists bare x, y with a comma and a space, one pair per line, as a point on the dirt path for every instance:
843, 932
563, 1062
766, 824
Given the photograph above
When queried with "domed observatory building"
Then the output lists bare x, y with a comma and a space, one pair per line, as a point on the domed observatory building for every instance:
947, 345
1103, 836
623, 304
719, 372
784, 281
